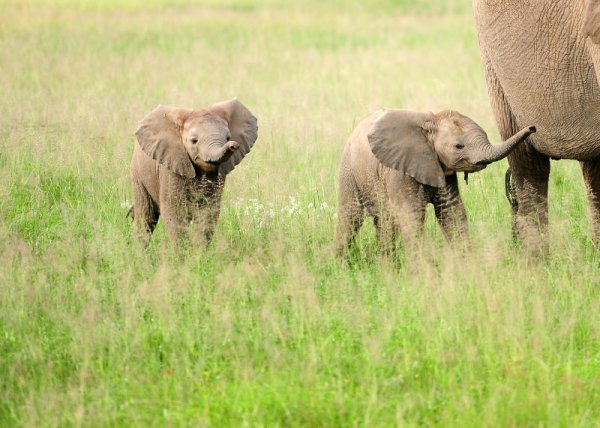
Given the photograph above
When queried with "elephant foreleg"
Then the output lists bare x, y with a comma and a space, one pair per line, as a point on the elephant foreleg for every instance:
591, 178
175, 213
450, 211
203, 224
175, 226
350, 214
387, 233
350, 219
409, 215
145, 213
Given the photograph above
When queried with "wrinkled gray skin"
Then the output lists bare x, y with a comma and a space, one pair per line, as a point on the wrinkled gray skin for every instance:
179, 164
397, 161
542, 65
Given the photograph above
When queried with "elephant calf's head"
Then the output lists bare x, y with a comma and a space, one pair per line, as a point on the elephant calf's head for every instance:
430, 146
213, 139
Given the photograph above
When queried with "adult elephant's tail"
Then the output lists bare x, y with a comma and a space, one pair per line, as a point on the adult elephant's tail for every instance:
509, 189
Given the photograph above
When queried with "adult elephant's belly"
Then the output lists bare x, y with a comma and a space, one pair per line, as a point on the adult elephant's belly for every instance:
576, 137
564, 107
546, 72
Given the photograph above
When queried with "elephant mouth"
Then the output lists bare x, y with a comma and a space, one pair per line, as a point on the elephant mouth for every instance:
469, 167
478, 167
208, 166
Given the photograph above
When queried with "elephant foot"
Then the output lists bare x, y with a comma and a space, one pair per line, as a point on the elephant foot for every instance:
533, 238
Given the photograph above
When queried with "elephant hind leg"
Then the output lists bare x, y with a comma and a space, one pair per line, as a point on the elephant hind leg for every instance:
145, 213
507, 126
530, 171
591, 178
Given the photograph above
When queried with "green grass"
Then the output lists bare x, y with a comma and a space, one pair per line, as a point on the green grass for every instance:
266, 327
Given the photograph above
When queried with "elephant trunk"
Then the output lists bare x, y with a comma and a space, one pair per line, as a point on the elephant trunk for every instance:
220, 153
493, 153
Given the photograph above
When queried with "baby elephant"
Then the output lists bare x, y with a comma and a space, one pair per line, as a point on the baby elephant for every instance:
179, 166
398, 161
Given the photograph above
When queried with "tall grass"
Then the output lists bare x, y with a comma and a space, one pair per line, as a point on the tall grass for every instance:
266, 327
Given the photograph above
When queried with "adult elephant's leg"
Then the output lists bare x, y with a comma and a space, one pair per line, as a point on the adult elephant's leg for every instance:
591, 177
450, 210
530, 172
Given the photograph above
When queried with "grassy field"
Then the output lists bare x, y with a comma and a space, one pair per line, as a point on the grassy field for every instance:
266, 328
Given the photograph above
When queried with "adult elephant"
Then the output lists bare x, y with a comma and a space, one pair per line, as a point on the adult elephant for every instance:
541, 62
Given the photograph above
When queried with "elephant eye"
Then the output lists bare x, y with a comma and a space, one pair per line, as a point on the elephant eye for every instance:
459, 146
228, 137
194, 140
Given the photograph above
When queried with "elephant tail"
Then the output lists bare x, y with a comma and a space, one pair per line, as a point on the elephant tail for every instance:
509, 188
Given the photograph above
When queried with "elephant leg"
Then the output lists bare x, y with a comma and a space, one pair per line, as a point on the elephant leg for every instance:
408, 219
507, 126
203, 224
591, 178
530, 172
408, 210
174, 210
387, 233
173, 226
450, 211
145, 213
212, 217
351, 215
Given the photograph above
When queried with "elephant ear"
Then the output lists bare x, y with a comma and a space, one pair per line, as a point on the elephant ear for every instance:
243, 126
591, 27
159, 136
397, 139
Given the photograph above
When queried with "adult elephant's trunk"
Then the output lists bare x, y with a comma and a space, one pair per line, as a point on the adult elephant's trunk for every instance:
219, 154
493, 153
